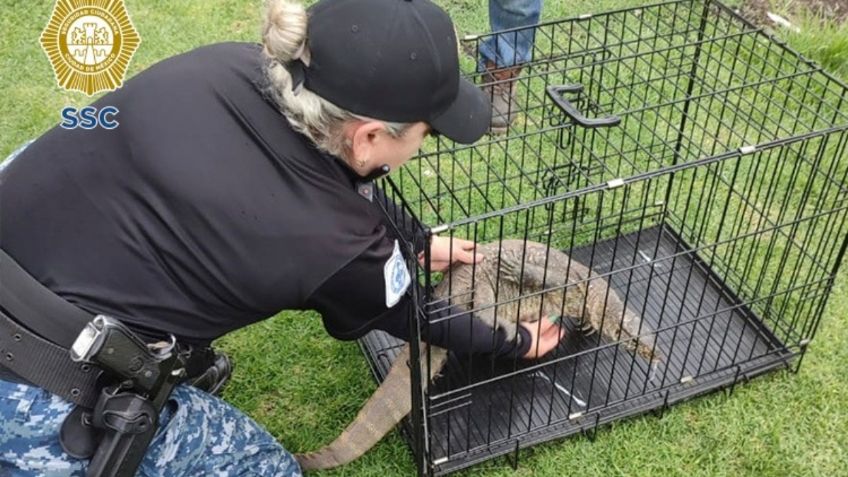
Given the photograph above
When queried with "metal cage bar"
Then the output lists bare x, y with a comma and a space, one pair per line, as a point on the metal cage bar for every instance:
697, 172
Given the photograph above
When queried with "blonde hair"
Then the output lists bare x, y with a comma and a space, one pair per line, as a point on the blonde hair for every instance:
284, 37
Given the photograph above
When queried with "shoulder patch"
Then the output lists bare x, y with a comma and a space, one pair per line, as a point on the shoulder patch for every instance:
396, 276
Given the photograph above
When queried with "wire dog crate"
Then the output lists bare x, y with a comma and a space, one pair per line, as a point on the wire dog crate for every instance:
691, 161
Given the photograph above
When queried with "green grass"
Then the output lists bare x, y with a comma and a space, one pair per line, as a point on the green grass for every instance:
819, 39
304, 386
824, 42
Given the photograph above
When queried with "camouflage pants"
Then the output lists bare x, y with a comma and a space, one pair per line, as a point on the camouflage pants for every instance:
198, 434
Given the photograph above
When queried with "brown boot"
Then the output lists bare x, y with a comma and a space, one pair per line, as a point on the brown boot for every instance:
501, 89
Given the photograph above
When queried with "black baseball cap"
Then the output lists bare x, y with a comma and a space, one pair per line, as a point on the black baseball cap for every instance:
393, 60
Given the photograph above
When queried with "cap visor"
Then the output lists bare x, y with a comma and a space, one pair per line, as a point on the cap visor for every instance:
468, 118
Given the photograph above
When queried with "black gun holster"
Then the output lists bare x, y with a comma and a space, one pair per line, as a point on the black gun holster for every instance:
116, 432
119, 390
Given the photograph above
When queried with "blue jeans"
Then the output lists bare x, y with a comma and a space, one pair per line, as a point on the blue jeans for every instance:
514, 47
198, 434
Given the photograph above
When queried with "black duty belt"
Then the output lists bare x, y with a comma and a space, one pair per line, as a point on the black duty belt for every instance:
49, 342
32, 303
37, 327
38, 353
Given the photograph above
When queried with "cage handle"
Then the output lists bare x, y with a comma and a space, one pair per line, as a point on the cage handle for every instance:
556, 91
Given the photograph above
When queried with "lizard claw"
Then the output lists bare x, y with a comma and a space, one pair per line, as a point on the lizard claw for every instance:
653, 372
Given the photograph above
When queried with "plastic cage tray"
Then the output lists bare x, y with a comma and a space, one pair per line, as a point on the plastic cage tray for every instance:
561, 400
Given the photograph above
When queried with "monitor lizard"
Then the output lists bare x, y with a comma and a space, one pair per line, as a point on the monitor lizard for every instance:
518, 281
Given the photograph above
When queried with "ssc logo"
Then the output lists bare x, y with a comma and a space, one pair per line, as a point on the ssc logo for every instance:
89, 118
89, 44
396, 276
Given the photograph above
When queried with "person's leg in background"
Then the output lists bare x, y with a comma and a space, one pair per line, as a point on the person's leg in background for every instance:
198, 434
502, 55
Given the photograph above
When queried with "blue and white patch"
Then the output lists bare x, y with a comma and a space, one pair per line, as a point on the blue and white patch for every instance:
396, 276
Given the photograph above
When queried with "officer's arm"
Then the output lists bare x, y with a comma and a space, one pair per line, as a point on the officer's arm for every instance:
353, 301
460, 333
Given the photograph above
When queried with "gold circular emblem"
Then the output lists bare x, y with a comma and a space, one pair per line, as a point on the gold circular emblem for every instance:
90, 44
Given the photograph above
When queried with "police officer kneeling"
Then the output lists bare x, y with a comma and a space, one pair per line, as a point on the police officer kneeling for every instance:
238, 184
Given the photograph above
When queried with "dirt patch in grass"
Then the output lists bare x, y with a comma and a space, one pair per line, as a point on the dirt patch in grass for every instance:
836, 10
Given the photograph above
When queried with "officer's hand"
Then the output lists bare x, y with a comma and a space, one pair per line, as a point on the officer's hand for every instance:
443, 254
545, 336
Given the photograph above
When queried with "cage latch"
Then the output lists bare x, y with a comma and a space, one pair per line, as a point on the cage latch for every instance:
556, 94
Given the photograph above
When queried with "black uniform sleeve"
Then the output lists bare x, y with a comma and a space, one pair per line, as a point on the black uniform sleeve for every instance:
352, 302
463, 334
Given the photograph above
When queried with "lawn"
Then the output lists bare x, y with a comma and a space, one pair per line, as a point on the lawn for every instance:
305, 387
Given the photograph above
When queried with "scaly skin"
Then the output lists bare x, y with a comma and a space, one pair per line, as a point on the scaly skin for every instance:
522, 273
389, 404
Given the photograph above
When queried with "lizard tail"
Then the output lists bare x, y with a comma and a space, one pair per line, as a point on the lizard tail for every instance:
389, 404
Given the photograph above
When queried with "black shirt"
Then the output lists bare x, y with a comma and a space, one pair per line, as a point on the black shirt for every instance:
204, 211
